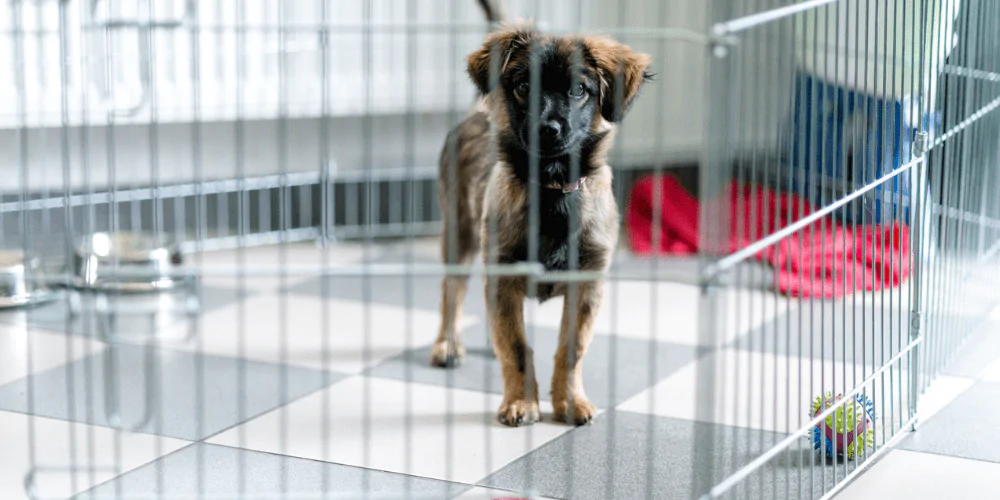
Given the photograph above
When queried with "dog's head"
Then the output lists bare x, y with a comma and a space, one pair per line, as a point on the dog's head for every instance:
567, 88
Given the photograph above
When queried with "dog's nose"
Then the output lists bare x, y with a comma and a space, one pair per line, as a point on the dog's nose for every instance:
550, 129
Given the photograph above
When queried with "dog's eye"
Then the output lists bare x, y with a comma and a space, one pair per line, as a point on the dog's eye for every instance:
578, 91
522, 89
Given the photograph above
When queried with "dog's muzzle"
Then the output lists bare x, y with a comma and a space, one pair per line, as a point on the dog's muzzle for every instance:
567, 188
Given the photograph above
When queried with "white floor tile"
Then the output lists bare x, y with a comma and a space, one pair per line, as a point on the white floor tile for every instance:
765, 391
302, 253
262, 264
920, 476
667, 312
53, 447
300, 327
488, 494
48, 350
992, 373
453, 434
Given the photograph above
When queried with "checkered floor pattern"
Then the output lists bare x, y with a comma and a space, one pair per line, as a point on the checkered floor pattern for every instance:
298, 387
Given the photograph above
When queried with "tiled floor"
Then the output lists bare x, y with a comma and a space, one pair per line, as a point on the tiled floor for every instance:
299, 387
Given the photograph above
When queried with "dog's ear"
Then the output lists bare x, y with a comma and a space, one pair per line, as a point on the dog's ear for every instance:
622, 72
486, 64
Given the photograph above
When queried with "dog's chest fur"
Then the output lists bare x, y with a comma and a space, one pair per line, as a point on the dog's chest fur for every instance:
569, 232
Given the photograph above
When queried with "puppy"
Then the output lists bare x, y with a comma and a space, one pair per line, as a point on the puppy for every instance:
546, 129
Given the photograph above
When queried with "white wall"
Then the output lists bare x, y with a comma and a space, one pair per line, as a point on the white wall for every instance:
665, 125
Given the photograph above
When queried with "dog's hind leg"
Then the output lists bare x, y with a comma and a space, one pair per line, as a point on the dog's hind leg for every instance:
448, 350
505, 305
569, 401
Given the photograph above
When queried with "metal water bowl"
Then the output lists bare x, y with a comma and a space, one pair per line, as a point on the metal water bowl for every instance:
127, 262
19, 280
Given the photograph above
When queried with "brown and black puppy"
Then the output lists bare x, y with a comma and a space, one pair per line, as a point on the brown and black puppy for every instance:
545, 125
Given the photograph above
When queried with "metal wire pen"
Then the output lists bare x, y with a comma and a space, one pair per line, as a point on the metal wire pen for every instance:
840, 159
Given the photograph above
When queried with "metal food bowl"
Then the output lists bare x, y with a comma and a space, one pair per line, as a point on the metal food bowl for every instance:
127, 262
15, 288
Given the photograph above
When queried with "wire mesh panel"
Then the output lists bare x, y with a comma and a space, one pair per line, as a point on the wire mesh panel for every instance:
833, 121
245, 250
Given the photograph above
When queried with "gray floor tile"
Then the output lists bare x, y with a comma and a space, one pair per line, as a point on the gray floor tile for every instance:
263, 476
615, 368
966, 428
624, 455
156, 391
138, 316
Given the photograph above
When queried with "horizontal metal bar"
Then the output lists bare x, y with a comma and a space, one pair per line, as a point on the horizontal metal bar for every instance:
340, 495
965, 216
971, 73
803, 431
714, 269
220, 187
678, 34
747, 22
579, 276
380, 269
536, 271
251, 240
174, 191
967, 122
396, 229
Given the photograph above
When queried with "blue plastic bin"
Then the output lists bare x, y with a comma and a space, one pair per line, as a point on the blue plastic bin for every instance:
842, 140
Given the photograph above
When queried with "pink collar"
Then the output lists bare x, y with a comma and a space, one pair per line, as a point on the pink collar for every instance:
567, 188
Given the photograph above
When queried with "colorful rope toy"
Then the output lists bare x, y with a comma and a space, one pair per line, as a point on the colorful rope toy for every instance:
849, 429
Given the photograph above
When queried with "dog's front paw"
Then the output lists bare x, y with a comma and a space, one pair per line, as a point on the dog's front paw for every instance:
518, 412
447, 354
581, 412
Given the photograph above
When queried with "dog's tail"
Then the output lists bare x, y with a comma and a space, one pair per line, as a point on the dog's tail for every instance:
494, 10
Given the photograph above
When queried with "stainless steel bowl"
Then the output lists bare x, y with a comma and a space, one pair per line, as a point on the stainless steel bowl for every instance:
127, 262
15, 288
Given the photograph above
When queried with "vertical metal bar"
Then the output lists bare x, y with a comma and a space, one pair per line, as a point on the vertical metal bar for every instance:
241, 230
573, 289
804, 161
774, 101
916, 207
815, 168
940, 155
895, 198
326, 226
490, 257
200, 231
654, 324
794, 97
18, 69
89, 218
534, 210
825, 167
409, 217
713, 242
851, 111
148, 41
64, 147
366, 279
454, 248
611, 464
285, 223
114, 222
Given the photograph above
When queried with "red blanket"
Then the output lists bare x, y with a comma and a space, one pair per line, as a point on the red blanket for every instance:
822, 260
